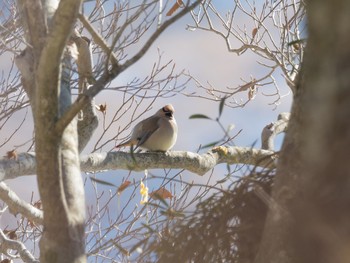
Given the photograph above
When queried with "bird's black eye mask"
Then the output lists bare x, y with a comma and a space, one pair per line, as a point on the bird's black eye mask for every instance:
168, 113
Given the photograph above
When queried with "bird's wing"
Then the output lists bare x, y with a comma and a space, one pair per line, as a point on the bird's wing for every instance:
145, 129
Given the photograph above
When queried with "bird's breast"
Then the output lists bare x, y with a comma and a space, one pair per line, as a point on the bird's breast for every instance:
164, 138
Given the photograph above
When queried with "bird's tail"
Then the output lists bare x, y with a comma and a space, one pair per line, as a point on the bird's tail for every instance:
126, 144
122, 145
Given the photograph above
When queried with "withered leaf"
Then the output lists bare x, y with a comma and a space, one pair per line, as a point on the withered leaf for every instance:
102, 108
38, 204
123, 186
174, 7
12, 155
254, 32
161, 193
11, 234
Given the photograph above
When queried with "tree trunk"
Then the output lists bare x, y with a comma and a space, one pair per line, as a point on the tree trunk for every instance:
48, 27
312, 185
60, 184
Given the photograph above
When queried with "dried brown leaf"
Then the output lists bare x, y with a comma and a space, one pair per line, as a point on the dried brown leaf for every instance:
102, 108
123, 186
174, 7
38, 204
161, 193
254, 32
11, 234
12, 155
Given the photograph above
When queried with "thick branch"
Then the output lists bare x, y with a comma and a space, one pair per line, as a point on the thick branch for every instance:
88, 125
25, 164
62, 238
24, 63
7, 244
17, 205
33, 20
193, 162
273, 129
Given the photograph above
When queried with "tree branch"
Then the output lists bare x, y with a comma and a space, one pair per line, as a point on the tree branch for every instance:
156, 34
7, 243
33, 20
88, 125
97, 38
17, 205
273, 129
115, 71
193, 162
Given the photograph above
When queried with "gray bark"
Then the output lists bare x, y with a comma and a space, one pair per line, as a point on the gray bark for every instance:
17, 205
193, 162
57, 158
271, 130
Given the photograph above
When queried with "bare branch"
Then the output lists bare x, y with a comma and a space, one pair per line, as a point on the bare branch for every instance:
115, 71
17, 205
160, 30
97, 38
193, 162
270, 30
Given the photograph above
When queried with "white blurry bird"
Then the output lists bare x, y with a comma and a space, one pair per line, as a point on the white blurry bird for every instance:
156, 133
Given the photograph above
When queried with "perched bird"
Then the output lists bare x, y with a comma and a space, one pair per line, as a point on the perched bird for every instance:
156, 133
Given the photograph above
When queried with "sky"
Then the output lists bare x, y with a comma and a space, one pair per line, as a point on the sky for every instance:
205, 56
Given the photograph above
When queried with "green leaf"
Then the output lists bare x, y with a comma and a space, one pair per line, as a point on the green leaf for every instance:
223, 180
228, 167
199, 116
101, 182
210, 144
221, 105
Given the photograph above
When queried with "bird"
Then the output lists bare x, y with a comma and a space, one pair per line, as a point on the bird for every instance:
157, 133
